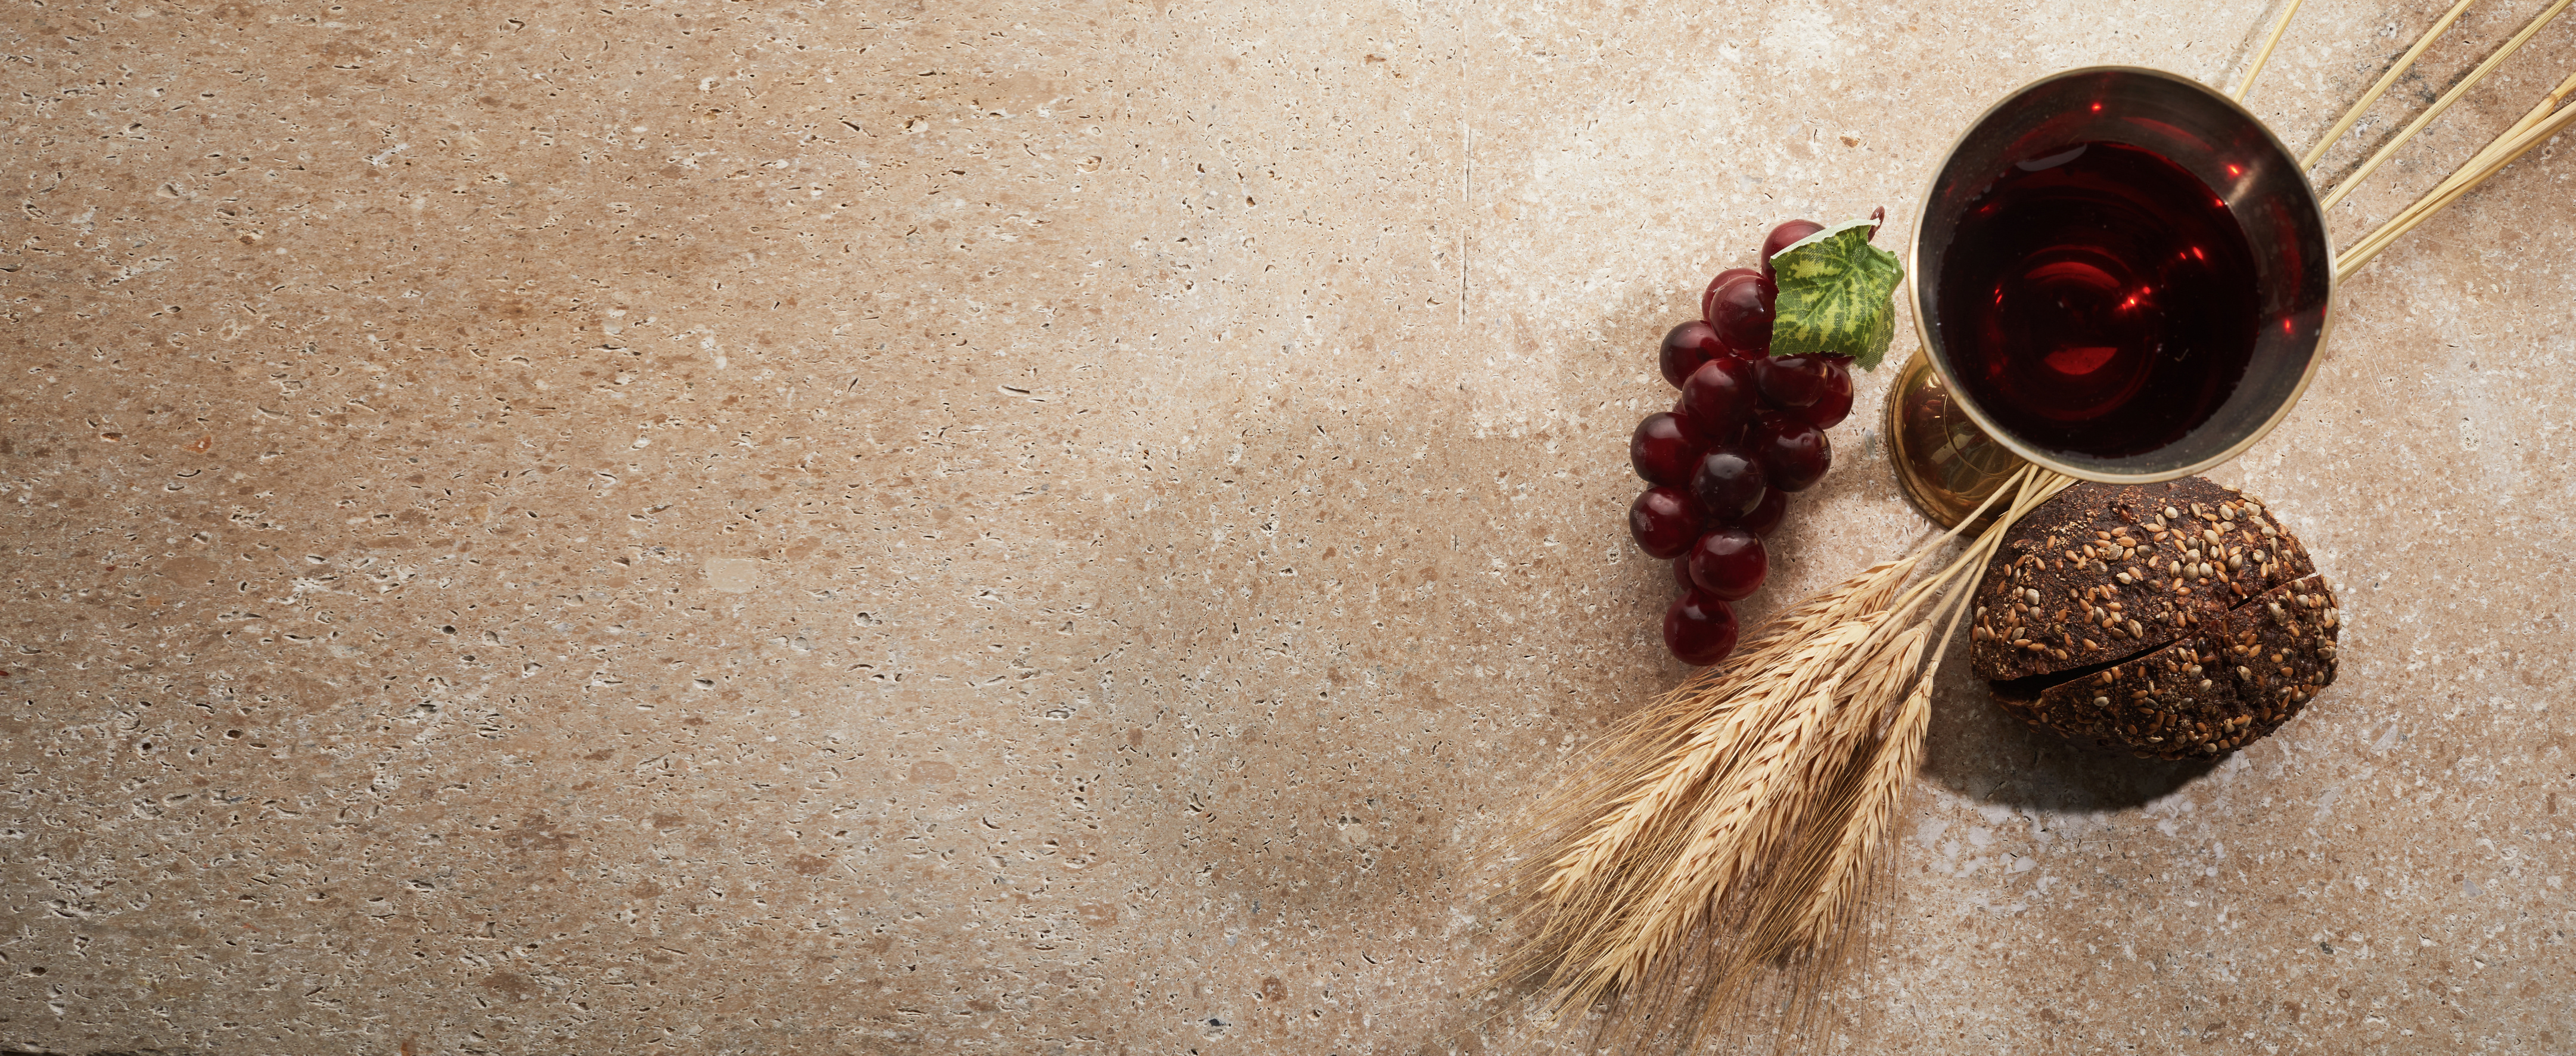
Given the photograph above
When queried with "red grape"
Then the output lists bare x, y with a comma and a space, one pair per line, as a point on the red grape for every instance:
1729, 564
1708, 300
1792, 453
1747, 430
1792, 381
1664, 522
1663, 449
1699, 629
1835, 405
1740, 309
1685, 348
1718, 399
1728, 484
1780, 238
1767, 515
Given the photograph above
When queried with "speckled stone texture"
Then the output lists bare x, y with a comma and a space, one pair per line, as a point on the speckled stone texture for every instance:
1064, 527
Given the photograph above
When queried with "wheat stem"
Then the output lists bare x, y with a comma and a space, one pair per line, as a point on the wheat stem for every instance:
1933, 584
2468, 180
2346, 186
2478, 168
1730, 806
1881, 790
2265, 55
1706, 722
2486, 154
1882, 780
2404, 63
1718, 722
1810, 901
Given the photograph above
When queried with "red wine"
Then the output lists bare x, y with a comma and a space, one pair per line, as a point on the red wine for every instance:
2099, 300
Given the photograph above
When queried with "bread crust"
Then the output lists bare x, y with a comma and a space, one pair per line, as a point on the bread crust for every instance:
2173, 620
2112, 550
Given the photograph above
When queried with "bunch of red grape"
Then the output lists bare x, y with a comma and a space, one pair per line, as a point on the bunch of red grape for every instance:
1749, 429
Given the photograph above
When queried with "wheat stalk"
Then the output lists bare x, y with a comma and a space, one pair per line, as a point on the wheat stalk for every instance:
1692, 802
2279, 27
1865, 800
1714, 714
1871, 805
1818, 892
1705, 797
1752, 804
2386, 150
1749, 812
2511, 144
2379, 88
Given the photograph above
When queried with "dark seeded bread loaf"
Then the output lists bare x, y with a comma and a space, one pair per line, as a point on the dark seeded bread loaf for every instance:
2173, 620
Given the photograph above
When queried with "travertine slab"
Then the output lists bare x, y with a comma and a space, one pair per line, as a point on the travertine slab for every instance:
1063, 527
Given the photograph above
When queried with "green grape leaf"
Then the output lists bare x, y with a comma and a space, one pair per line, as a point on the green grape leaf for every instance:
1837, 295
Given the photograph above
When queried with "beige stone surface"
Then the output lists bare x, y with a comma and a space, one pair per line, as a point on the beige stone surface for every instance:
1061, 527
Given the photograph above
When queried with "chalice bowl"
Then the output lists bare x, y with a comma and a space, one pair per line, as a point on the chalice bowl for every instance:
2119, 275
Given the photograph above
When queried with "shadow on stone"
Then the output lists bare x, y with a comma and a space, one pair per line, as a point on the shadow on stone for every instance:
1979, 751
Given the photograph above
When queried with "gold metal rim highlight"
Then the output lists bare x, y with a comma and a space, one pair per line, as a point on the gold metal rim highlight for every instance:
1923, 328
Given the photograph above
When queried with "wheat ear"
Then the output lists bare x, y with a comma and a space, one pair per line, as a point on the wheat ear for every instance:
1718, 809
1711, 720
1748, 815
1868, 794
1875, 798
